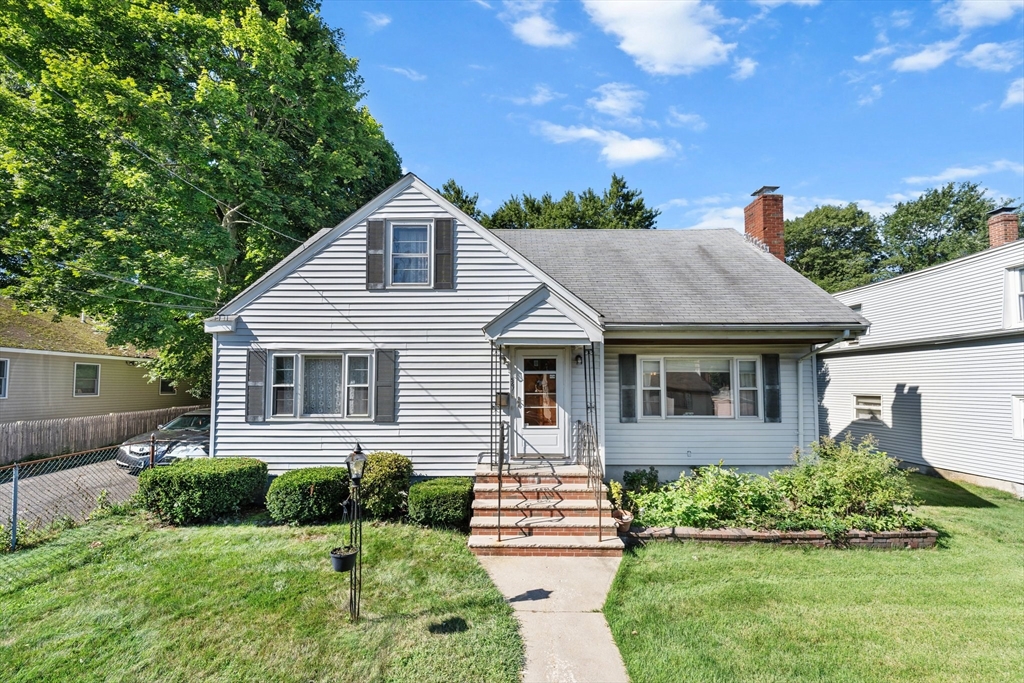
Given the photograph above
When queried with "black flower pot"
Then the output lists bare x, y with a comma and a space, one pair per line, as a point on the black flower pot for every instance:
344, 559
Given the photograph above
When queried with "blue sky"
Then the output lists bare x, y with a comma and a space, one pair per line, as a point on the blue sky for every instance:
697, 103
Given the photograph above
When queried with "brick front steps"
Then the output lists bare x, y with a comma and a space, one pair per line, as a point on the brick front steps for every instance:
545, 510
887, 540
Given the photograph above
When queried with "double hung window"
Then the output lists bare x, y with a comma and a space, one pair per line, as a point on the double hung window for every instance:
410, 254
700, 387
321, 385
87, 379
4, 374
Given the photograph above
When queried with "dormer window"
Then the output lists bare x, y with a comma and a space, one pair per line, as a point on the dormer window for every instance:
410, 254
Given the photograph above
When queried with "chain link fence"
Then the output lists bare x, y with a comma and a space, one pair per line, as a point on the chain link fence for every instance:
38, 496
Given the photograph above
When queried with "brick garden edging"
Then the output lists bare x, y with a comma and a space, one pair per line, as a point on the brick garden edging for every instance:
887, 540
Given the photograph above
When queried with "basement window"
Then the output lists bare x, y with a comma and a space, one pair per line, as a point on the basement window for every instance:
867, 407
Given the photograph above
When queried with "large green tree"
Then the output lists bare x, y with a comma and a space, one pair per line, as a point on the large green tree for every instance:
940, 225
836, 247
617, 207
183, 146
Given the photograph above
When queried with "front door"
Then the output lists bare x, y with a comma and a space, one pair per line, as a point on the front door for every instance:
542, 418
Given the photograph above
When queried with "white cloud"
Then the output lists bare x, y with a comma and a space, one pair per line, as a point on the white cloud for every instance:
901, 18
993, 56
875, 54
678, 119
542, 94
666, 38
776, 3
718, 217
744, 69
376, 21
955, 173
672, 203
871, 97
483, 4
798, 206
617, 149
931, 57
1014, 94
411, 74
531, 22
970, 14
619, 101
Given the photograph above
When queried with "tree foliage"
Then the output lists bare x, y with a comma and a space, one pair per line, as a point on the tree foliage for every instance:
940, 225
458, 196
836, 247
252, 101
618, 207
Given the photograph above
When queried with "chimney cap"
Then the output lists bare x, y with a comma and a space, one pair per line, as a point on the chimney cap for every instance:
1002, 209
766, 189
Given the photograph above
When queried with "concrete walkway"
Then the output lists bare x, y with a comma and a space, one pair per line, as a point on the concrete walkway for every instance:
558, 602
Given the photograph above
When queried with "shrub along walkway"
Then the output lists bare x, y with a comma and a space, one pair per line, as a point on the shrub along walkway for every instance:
558, 603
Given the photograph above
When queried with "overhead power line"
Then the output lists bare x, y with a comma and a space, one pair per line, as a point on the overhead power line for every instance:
138, 284
182, 307
128, 143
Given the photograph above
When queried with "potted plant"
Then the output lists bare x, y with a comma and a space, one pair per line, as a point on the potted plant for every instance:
344, 558
623, 517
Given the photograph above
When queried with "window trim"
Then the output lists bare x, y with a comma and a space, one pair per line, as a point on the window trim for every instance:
389, 233
74, 381
1017, 410
299, 381
734, 388
160, 385
856, 406
6, 363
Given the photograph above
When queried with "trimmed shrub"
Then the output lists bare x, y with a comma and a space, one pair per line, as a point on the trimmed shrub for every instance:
443, 502
313, 494
202, 489
385, 484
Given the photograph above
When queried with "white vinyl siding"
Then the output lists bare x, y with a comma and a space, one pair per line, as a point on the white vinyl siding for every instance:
675, 443
443, 383
947, 407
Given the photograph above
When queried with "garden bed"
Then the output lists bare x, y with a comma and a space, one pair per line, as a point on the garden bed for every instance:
855, 538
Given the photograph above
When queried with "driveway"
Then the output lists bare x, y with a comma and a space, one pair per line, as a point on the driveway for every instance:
72, 492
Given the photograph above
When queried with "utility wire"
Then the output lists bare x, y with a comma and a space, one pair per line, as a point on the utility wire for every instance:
137, 284
139, 301
125, 141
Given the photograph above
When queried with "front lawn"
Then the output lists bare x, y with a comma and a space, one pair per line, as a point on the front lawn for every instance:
122, 599
694, 612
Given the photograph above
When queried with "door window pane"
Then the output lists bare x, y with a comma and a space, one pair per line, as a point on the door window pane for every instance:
322, 386
540, 391
87, 380
409, 255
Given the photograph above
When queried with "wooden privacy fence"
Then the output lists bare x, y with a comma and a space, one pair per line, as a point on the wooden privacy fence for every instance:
70, 434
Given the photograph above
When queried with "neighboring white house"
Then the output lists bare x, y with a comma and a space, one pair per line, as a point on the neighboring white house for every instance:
54, 369
680, 348
939, 377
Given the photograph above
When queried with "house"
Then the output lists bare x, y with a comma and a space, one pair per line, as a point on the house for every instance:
410, 327
55, 369
939, 377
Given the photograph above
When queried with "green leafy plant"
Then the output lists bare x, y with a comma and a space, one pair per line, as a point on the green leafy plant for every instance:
312, 494
202, 489
385, 485
443, 502
616, 494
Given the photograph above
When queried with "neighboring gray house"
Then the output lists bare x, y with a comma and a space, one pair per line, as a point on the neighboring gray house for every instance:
939, 377
407, 326
62, 369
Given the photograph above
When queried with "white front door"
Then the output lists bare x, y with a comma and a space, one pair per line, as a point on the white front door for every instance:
542, 416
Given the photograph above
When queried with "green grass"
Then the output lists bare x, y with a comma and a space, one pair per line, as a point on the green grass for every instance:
694, 612
122, 599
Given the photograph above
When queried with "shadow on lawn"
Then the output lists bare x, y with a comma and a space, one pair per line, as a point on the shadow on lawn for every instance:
940, 492
450, 625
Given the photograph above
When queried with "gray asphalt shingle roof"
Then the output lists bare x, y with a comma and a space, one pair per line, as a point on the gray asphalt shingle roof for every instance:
682, 277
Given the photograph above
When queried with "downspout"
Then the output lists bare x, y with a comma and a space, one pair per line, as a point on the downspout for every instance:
213, 399
800, 405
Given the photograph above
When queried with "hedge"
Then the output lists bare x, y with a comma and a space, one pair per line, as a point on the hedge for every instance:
443, 502
385, 484
313, 494
202, 489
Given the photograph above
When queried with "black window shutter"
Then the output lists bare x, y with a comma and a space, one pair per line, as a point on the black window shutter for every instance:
375, 254
444, 262
627, 387
255, 391
772, 388
385, 385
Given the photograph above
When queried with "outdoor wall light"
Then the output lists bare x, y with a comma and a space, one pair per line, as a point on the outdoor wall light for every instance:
355, 462
579, 359
501, 399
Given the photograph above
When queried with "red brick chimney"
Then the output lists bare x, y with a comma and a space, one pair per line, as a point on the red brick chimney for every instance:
762, 220
1002, 226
